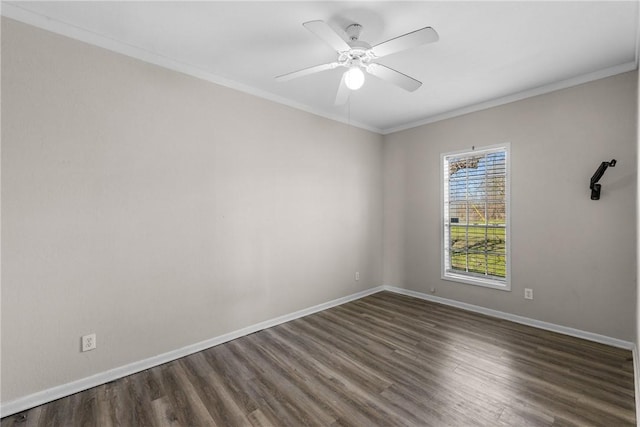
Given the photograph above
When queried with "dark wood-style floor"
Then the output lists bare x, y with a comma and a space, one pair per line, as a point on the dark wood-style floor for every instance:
385, 360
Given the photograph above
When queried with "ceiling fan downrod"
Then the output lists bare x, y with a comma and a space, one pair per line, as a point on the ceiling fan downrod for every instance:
353, 31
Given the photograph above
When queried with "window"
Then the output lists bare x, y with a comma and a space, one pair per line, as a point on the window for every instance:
475, 208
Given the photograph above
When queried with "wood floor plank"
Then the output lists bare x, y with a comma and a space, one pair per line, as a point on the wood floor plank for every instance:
258, 419
349, 378
386, 359
212, 391
103, 411
163, 414
233, 375
327, 390
186, 399
86, 406
291, 392
407, 376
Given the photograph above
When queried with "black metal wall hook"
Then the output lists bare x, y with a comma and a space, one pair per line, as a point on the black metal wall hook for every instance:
595, 187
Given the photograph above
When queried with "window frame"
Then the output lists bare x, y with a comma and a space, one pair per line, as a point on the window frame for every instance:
466, 277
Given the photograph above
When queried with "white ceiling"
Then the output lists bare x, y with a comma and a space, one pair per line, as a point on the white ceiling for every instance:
488, 52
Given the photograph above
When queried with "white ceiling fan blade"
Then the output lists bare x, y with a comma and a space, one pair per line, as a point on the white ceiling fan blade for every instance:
326, 33
307, 71
392, 76
407, 41
343, 91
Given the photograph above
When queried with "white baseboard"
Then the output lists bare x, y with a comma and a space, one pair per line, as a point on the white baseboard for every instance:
39, 398
590, 336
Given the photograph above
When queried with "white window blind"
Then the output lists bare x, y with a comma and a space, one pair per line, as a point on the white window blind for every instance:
475, 217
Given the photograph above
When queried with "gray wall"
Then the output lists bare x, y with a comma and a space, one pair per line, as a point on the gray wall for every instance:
578, 255
158, 210
637, 337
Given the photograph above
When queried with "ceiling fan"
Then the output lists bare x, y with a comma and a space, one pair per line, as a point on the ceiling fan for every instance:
358, 56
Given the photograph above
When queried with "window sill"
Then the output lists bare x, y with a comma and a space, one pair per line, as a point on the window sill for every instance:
479, 281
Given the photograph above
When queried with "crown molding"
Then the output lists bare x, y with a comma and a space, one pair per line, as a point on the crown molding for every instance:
540, 90
15, 12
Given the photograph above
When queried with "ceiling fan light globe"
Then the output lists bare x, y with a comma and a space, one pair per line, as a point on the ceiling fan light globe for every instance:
354, 78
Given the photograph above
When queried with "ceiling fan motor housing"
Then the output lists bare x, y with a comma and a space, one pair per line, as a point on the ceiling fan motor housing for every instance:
359, 54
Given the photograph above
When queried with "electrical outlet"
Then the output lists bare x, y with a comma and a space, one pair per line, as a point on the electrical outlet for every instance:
528, 293
89, 342
357, 275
